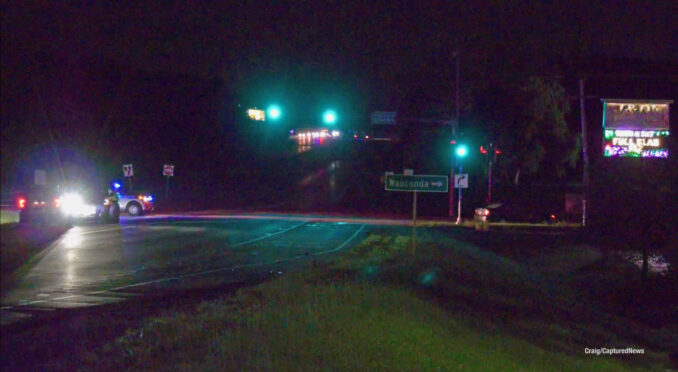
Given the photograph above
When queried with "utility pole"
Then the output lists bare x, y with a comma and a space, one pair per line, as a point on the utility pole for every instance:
454, 126
48, 125
585, 155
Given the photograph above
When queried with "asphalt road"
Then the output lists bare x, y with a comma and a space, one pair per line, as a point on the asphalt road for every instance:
100, 264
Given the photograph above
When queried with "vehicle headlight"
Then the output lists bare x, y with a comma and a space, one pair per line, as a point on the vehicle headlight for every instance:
72, 204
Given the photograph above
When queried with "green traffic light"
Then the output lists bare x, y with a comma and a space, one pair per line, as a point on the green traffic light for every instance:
462, 151
330, 117
274, 112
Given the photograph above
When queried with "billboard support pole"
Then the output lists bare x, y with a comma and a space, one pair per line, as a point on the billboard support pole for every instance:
585, 155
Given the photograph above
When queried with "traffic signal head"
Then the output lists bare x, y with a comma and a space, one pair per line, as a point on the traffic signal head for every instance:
461, 151
274, 112
329, 117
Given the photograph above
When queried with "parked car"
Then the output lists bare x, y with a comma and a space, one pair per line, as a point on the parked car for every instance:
136, 205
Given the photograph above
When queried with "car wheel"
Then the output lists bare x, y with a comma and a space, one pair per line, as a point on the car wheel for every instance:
134, 209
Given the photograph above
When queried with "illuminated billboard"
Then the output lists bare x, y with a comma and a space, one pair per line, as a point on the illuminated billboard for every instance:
635, 128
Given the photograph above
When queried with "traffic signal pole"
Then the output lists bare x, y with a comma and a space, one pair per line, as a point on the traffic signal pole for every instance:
459, 201
451, 206
454, 125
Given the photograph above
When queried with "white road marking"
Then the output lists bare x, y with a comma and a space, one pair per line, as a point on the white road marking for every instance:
268, 235
191, 275
170, 228
99, 231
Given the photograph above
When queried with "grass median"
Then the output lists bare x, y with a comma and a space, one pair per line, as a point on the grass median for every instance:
380, 308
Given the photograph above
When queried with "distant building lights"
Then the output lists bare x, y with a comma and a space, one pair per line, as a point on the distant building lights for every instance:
256, 114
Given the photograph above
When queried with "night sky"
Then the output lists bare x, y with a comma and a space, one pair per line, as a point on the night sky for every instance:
333, 41
76, 60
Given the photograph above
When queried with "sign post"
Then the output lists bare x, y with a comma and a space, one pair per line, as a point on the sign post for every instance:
128, 171
410, 183
167, 171
460, 182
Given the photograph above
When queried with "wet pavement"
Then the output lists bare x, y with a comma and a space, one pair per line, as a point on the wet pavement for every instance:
101, 264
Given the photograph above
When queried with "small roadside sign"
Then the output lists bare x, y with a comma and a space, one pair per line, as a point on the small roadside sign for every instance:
40, 177
461, 181
128, 170
168, 170
383, 117
421, 183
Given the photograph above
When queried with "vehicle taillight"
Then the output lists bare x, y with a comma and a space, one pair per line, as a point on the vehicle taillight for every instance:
57, 202
21, 203
484, 212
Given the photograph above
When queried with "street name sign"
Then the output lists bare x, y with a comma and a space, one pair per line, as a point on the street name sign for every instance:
461, 181
383, 117
419, 183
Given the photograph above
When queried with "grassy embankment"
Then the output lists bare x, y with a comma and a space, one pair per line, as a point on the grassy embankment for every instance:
8, 215
378, 308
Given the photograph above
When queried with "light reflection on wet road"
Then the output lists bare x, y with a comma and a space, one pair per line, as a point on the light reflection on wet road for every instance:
92, 265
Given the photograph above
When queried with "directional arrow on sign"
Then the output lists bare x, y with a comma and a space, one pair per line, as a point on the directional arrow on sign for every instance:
461, 181
439, 184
